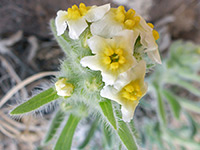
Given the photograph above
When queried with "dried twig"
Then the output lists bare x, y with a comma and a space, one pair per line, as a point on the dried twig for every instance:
13, 74
24, 83
4, 131
18, 125
9, 42
9, 127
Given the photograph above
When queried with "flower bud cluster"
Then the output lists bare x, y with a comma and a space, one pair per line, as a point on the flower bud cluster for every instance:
116, 34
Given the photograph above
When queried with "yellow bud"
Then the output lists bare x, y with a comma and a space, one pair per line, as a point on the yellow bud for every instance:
120, 9
75, 7
106, 60
137, 19
108, 52
82, 5
114, 65
130, 13
69, 10
129, 23
151, 25
120, 17
122, 60
155, 34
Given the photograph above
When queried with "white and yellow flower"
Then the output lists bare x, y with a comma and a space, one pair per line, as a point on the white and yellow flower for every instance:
117, 19
128, 89
112, 56
77, 18
64, 88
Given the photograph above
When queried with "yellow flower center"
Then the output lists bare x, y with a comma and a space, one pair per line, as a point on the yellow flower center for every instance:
155, 33
113, 58
128, 19
132, 91
75, 12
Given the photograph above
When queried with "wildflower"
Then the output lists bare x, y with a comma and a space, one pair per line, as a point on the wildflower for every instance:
128, 90
77, 18
63, 88
112, 56
118, 19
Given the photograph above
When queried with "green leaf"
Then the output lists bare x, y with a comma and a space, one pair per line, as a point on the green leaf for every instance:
173, 137
161, 109
90, 134
192, 124
126, 136
187, 85
125, 133
175, 106
36, 102
55, 124
189, 104
106, 107
107, 142
190, 76
65, 140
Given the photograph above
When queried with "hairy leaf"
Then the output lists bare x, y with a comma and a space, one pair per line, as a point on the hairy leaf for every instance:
65, 139
107, 109
90, 134
36, 102
55, 124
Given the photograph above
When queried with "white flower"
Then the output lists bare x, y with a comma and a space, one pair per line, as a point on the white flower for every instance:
117, 19
128, 90
63, 88
112, 56
77, 18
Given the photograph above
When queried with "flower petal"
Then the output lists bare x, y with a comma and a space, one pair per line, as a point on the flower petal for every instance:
97, 43
96, 13
76, 27
110, 93
155, 56
106, 27
60, 22
91, 62
148, 41
128, 110
128, 40
137, 71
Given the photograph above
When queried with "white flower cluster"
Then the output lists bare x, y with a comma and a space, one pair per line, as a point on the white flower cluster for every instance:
114, 34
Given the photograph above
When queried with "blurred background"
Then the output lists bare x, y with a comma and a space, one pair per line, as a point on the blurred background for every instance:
167, 118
